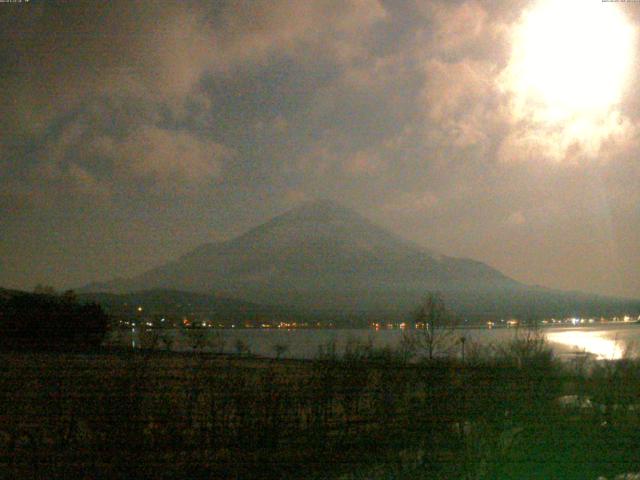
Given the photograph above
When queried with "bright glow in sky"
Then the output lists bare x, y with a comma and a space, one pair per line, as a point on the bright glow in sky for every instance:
569, 66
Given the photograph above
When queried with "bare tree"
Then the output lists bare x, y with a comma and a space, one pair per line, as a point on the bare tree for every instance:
197, 338
218, 341
280, 349
242, 347
149, 338
168, 339
434, 331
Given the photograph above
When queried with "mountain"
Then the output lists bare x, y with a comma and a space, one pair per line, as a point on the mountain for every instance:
320, 246
175, 305
178, 304
323, 256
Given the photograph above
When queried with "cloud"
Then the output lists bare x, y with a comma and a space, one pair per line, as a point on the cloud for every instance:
412, 203
104, 152
160, 110
364, 163
460, 102
457, 26
516, 219
120, 69
166, 157
251, 31
85, 183
66, 51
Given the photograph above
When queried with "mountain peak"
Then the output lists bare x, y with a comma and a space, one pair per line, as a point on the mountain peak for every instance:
326, 257
319, 254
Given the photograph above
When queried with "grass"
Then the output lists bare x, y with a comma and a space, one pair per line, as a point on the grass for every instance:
366, 414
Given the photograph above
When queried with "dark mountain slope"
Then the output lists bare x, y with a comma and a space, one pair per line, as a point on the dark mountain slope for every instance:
324, 256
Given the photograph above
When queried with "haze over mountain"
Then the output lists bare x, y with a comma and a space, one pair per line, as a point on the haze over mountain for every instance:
323, 256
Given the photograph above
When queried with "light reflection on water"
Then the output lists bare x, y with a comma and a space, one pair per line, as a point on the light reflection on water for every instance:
596, 343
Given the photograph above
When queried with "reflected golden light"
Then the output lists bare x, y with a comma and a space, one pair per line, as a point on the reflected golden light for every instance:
595, 343
569, 65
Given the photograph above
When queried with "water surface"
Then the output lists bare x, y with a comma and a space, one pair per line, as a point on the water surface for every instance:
608, 341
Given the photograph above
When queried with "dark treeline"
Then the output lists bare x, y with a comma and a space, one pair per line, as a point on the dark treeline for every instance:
37, 321
512, 412
476, 307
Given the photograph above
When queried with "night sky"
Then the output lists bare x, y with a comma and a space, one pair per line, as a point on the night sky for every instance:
131, 132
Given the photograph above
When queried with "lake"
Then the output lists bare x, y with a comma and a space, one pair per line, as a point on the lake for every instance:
602, 341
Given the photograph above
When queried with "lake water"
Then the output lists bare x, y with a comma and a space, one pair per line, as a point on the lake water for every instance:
608, 341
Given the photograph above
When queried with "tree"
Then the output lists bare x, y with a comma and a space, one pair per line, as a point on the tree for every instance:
41, 321
197, 338
44, 290
280, 349
242, 347
434, 328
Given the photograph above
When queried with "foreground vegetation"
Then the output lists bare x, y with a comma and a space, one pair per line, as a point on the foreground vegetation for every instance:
512, 412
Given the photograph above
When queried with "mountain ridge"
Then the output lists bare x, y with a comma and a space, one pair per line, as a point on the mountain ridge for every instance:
322, 255
314, 239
